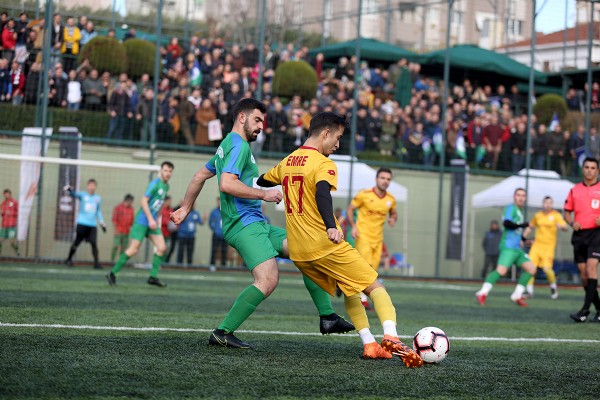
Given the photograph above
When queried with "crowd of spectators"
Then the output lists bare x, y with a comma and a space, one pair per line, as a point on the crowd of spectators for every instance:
399, 108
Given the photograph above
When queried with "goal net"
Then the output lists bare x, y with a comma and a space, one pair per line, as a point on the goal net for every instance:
47, 213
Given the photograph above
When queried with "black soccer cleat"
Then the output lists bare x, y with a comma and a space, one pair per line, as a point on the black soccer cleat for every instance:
596, 317
219, 337
156, 282
580, 316
112, 279
69, 263
97, 266
333, 323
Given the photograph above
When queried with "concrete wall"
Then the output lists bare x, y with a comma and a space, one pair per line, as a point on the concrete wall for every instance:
421, 207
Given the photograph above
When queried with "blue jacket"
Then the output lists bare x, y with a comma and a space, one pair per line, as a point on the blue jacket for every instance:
215, 223
187, 229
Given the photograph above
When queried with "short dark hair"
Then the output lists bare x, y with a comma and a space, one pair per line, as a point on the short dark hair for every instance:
168, 164
325, 120
519, 188
7, 191
590, 159
128, 197
383, 169
547, 198
248, 105
92, 180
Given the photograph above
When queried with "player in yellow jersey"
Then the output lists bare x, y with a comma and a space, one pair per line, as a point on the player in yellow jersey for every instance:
316, 242
374, 206
546, 224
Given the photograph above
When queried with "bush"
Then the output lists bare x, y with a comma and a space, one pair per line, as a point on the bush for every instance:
105, 54
140, 57
295, 78
549, 104
90, 124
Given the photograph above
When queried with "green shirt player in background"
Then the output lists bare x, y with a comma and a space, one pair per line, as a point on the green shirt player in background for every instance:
146, 224
511, 251
244, 226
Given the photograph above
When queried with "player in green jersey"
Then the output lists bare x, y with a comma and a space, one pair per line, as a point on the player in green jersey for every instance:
146, 224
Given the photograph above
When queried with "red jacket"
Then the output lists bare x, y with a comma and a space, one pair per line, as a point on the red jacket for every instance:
9, 39
166, 215
122, 219
10, 212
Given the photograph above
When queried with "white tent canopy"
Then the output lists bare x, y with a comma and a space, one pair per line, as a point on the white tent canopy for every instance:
363, 177
540, 185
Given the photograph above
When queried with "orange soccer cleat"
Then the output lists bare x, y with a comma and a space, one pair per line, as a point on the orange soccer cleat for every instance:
374, 351
408, 356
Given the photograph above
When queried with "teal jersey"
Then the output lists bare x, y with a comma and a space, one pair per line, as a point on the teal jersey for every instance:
155, 193
511, 238
89, 208
234, 156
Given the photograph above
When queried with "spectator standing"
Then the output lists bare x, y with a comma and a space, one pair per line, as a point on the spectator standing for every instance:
10, 212
94, 91
218, 242
492, 135
491, 248
186, 112
119, 109
186, 236
4, 79
74, 92
17, 83
31, 83
387, 141
143, 113
539, 146
277, 126
56, 39
204, 115
518, 144
250, 55
556, 149
576, 146
122, 219
573, 100
9, 40
594, 143
22, 36
70, 44
87, 33
58, 87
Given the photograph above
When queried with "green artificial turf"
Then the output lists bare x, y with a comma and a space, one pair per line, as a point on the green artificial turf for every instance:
97, 354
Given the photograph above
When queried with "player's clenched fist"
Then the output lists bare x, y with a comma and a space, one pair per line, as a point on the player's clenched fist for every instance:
178, 215
272, 196
335, 235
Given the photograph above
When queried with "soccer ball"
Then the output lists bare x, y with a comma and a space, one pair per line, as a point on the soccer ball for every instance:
431, 344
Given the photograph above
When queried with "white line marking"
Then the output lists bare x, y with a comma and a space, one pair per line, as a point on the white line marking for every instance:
199, 276
164, 329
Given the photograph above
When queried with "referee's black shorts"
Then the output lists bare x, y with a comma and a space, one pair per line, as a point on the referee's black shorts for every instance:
586, 244
87, 233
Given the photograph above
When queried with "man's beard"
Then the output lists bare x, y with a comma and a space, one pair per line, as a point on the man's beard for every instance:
249, 132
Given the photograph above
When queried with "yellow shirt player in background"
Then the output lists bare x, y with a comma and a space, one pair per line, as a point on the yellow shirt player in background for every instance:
316, 242
374, 206
546, 224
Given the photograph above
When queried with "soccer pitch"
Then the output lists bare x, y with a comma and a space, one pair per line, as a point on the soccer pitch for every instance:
64, 333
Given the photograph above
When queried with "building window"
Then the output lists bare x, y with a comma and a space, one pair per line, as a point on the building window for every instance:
297, 18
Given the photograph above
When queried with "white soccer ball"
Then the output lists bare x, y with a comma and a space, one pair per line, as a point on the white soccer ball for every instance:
431, 344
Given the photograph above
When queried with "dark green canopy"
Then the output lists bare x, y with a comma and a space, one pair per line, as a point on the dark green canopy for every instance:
477, 60
370, 50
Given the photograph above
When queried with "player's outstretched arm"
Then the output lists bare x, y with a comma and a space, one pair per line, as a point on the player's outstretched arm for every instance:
191, 194
231, 184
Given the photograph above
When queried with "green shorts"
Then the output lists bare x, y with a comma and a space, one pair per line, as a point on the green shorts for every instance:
139, 232
121, 239
258, 242
508, 257
8, 233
